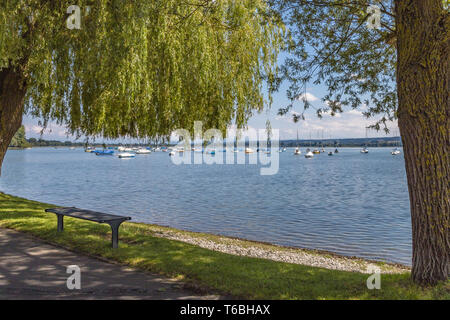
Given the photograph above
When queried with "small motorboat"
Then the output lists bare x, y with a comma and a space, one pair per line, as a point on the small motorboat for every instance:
123, 155
316, 151
330, 153
365, 150
395, 152
309, 155
297, 152
249, 150
143, 151
104, 152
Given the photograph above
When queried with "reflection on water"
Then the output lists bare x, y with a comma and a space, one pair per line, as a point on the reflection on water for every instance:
351, 203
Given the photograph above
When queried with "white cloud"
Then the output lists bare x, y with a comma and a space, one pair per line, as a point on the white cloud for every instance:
308, 96
53, 131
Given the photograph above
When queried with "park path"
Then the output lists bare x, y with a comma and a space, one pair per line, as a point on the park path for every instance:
32, 269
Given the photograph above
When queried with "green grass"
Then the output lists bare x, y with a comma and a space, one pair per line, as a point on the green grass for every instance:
214, 272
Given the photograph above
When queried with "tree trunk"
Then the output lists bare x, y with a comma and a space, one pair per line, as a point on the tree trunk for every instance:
12, 94
423, 43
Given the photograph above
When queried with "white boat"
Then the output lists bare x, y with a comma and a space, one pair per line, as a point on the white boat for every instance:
249, 150
297, 150
126, 155
365, 150
309, 155
396, 151
171, 153
143, 151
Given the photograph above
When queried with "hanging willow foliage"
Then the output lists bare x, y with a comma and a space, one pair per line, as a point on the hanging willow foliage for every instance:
141, 68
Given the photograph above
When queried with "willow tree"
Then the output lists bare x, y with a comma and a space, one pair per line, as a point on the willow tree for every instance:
391, 59
122, 68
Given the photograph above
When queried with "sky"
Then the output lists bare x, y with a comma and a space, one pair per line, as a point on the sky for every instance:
349, 124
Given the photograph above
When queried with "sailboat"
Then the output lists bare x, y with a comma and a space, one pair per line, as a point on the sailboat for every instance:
395, 151
364, 149
297, 151
309, 154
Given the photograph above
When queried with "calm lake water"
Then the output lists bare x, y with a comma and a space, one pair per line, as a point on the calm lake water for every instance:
351, 203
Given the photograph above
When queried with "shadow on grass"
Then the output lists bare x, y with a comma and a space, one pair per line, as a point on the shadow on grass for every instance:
244, 277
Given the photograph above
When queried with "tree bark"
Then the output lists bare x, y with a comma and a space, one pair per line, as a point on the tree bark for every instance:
422, 28
12, 95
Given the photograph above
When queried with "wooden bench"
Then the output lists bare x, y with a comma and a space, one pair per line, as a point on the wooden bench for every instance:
111, 219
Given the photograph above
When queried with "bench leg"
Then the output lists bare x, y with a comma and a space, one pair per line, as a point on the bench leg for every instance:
60, 222
115, 233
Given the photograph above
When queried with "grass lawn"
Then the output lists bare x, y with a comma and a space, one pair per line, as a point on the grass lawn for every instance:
214, 272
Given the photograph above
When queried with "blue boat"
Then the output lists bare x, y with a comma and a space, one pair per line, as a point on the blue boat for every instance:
104, 152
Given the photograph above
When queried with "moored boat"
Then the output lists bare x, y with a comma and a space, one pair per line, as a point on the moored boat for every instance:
126, 155
104, 152
143, 151
309, 155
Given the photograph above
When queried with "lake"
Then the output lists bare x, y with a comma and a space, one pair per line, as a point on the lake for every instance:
350, 203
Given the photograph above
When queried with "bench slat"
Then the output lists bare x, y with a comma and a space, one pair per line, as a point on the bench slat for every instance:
87, 214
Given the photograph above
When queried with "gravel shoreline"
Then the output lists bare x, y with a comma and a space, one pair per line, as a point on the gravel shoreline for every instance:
253, 249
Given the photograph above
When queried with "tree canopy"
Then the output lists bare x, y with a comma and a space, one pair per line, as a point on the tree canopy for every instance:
141, 68
19, 140
331, 44
389, 58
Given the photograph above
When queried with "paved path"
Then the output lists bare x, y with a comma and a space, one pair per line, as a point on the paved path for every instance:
32, 269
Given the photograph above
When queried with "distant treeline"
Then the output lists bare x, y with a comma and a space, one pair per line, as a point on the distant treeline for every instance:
355, 142
53, 143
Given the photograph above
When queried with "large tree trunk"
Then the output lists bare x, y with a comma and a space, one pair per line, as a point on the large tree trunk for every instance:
423, 92
12, 94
